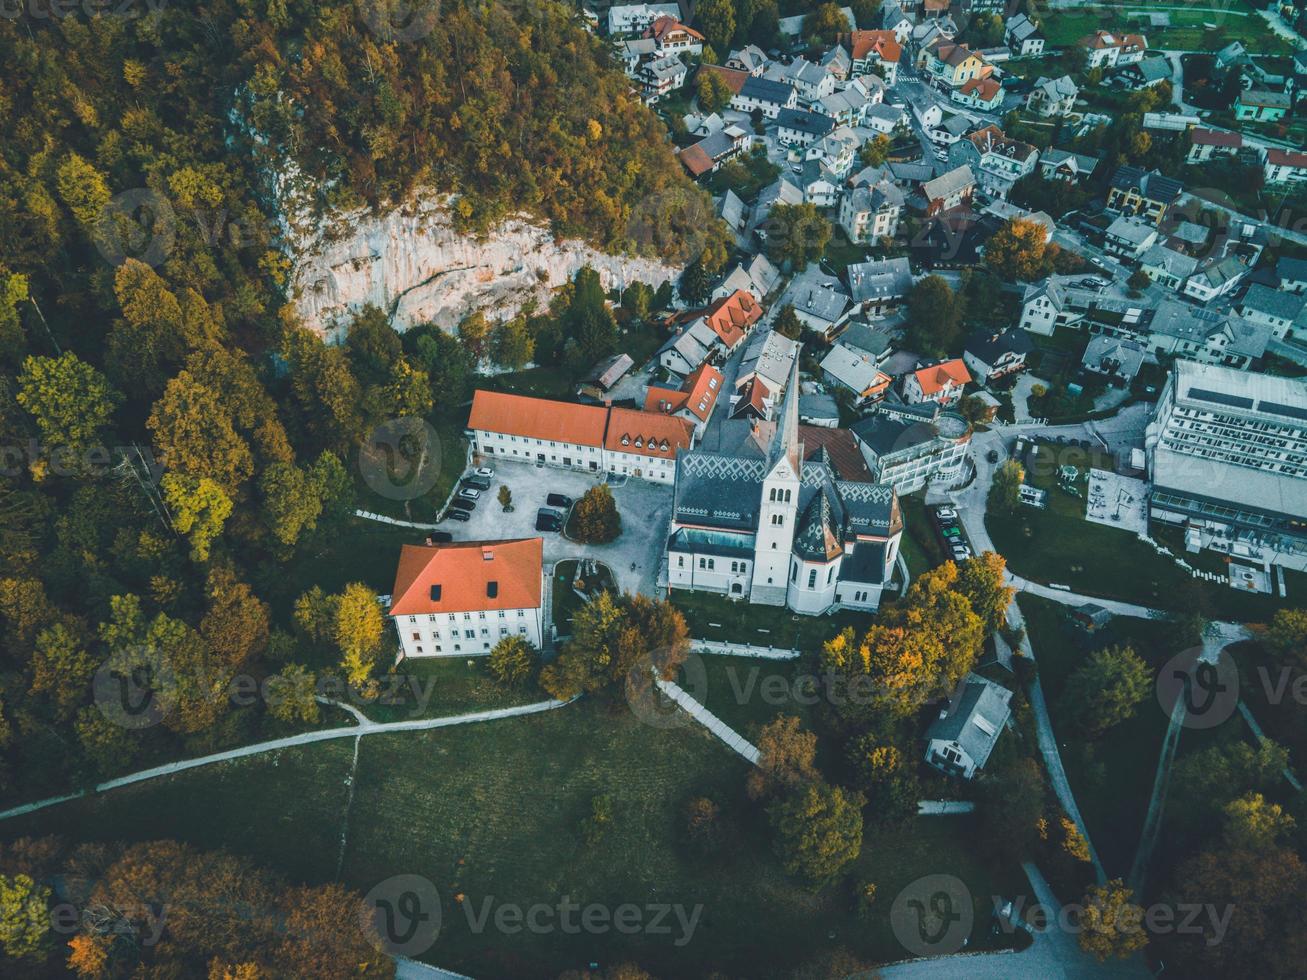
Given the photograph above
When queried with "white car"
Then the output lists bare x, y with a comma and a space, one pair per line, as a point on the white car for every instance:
485, 472
469, 493
946, 512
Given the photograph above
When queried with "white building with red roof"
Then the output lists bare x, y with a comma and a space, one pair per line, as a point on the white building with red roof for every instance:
460, 599
694, 400
1105, 48
1285, 166
941, 383
1206, 143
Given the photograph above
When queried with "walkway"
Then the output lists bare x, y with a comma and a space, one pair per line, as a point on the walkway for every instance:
1260, 735
364, 727
367, 515
944, 808
733, 739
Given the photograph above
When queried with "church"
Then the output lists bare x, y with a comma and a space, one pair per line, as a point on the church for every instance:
782, 515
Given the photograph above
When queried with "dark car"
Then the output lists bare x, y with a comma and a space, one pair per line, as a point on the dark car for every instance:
439, 537
558, 500
461, 504
548, 520
476, 483
459, 515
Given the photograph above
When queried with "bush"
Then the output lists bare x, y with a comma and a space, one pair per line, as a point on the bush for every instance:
595, 519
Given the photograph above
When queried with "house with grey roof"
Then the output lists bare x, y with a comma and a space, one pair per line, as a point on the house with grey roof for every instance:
960, 741
1280, 310
1292, 273
1128, 238
1142, 74
868, 339
780, 191
766, 95
949, 190
758, 277
1116, 360
990, 354
855, 370
880, 284
799, 127
1057, 164
819, 300
883, 118
1053, 96
870, 212
1023, 37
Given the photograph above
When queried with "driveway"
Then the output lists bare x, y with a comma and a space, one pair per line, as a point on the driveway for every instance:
645, 508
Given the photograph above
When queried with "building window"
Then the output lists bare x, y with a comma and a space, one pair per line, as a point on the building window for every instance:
778, 520
711, 564
812, 578
680, 561
469, 634
703, 562
417, 636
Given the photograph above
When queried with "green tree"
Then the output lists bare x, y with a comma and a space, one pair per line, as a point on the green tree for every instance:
1106, 689
1011, 804
372, 345
787, 759
62, 669
505, 497
70, 401
716, 18
200, 508
637, 300
1138, 280
595, 519
1254, 823
448, 365
514, 662
787, 323
981, 580
934, 319
1005, 491
292, 695
292, 501
875, 151
826, 22
1111, 924
713, 92
357, 630
511, 345
84, 189
696, 283
1286, 636
13, 292
474, 334
886, 777
818, 831
796, 234
195, 436
24, 916
1019, 252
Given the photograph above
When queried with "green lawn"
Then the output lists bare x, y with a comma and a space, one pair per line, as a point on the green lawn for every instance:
1233, 22
449, 459
921, 548
438, 686
548, 381
1112, 778
748, 692
491, 813
841, 253
714, 617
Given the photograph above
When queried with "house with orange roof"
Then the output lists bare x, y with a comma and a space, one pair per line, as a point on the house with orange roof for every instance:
941, 383
461, 598
694, 400
979, 93
873, 53
1106, 48
672, 37
1284, 166
732, 317
593, 438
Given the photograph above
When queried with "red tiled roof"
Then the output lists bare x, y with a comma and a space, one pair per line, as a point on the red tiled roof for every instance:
463, 573
698, 394
1286, 158
988, 89
1106, 39
844, 454
753, 395
647, 433
732, 316
936, 378
518, 415
695, 160
1211, 137
863, 43
733, 77
666, 24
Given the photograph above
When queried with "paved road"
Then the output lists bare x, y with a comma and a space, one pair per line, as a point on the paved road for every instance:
364, 727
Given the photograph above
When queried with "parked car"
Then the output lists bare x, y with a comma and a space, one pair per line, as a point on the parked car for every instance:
459, 515
485, 472
469, 493
947, 513
476, 483
961, 552
460, 503
953, 531
548, 520
439, 537
559, 500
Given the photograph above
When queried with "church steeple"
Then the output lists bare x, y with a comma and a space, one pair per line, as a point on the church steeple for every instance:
785, 442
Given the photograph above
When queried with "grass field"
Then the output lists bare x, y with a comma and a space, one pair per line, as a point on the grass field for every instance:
1230, 22
714, 617
491, 814
450, 459
921, 548
1112, 778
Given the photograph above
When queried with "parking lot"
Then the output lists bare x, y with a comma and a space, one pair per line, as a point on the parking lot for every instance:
949, 530
645, 509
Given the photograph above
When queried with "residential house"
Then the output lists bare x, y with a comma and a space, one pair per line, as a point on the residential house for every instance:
997, 161
661, 76
725, 323
909, 175
990, 355
873, 53
635, 18
1215, 277
950, 65
821, 184
949, 129
634, 52
604, 375
884, 119
869, 213
780, 191
857, 371
1105, 49
1281, 311
757, 277
941, 30
941, 383
818, 299
1073, 168
817, 407
1006, 211
1204, 143
960, 741
910, 446
810, 81
693, 401
768, 358
985, 94
1292, 274
868, 339
1042, 307
459, 599
1053, 96
749, 59
673, 37
708, 155
947, 191
893, 18
1142, 74
1128, 237
1284, 166
764, 95
1117, 361
837, 151
1149, 194
799, 127
593, 438
928, 115
849, 105
690, 346
880, 285
1260, 105
735, 215
837, 62
1023, 37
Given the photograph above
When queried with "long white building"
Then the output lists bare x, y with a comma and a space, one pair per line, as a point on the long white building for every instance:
1227, 456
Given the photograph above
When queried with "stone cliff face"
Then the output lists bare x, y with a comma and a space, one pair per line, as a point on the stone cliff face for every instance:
417, 268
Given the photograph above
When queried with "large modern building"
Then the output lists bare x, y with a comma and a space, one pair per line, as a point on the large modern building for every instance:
1227, 456
460, 599
909, 446
763, 518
